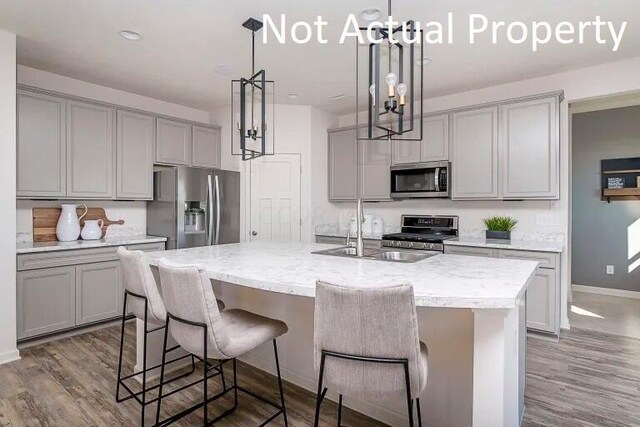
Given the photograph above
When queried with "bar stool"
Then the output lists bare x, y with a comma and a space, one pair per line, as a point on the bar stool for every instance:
142, 297
366, 344
196, 323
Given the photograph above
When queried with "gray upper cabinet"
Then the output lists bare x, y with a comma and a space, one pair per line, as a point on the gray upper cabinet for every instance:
173, 142
45, 301
342, 165
206, 147
474, 156
433, 147
41, 146
90, 151
98, 292
375, 178
435, 140
134, 156
529, 149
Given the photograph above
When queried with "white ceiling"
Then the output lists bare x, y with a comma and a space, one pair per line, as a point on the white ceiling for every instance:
184, 40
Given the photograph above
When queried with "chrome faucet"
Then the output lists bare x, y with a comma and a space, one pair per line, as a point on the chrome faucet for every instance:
359, 221
348, 237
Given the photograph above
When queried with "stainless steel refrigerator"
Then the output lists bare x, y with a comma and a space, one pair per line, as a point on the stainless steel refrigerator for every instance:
194, 207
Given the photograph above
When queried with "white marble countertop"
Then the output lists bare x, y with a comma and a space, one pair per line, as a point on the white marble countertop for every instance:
32, 247
440, 281
521, 245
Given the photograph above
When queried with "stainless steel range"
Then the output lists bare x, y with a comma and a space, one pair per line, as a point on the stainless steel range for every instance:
423, 232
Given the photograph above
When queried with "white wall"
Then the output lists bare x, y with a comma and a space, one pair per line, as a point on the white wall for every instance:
8, 350
585, 83
133, 213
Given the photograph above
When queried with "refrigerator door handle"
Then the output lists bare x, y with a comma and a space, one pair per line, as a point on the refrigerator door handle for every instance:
209, 211
217, 181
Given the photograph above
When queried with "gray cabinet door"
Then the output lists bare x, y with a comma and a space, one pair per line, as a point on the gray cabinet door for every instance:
541, 301
529, 149
98, 292
134, 156
342, 165
41, 146
435, 140
375, 163
475, 154
90, 151
206, 147
45, 301
173, 142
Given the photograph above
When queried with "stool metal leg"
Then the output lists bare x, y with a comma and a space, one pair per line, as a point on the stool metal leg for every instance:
409, 400
164, 359
284, 409
419, 414
144, 364
124, 312
204, 377
320, 392
340, 411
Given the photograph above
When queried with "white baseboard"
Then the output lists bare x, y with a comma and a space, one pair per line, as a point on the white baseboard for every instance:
606, 291
9, 356
378, 412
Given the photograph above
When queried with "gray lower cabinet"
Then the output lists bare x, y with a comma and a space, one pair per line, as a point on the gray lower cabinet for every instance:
543, 294
41, 148
206, 147
99, 291
173, 142
474, 154
45, 301
90, 151
61, 290
342, 165
135, 137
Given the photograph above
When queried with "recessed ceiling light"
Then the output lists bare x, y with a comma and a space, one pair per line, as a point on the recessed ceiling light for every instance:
424, 61
292, 96
370, 14
130, 35
338, 96
222, 70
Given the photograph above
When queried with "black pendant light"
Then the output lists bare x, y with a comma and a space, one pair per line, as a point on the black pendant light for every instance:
252, 108
389, 82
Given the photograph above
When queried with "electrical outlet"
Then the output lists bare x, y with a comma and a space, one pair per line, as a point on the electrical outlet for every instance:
610, 269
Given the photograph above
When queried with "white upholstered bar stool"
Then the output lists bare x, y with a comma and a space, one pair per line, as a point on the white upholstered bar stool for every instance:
213, 336
143, 299
366, 345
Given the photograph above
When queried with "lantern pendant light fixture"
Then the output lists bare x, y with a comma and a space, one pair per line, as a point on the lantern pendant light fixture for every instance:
252, 108
389, 82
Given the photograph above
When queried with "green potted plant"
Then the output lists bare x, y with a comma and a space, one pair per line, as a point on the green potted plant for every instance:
499, 227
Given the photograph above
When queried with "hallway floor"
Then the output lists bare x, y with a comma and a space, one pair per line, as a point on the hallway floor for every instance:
604, 313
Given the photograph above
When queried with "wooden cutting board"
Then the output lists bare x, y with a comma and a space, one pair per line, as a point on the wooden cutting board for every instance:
46, 219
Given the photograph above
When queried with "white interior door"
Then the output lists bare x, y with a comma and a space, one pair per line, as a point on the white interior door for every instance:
275, 198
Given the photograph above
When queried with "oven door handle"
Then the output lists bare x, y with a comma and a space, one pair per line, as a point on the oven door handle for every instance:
437, 179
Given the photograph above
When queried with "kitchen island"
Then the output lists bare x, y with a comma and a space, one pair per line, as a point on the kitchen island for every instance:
470, 313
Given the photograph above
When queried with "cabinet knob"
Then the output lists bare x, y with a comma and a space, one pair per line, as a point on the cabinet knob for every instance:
254, 233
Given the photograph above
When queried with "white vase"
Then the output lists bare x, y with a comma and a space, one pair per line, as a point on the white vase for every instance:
68, 228
92, 229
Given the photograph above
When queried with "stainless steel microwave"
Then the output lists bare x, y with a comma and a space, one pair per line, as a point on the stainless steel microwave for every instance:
416, 180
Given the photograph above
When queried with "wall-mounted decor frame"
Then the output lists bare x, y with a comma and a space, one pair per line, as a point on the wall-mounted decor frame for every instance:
620, 179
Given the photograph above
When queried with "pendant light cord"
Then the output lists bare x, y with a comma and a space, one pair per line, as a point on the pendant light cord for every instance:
253, 72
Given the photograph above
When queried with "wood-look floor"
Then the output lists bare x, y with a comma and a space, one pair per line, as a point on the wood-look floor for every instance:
586, 379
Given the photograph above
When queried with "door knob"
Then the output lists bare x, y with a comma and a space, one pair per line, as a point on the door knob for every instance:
254, 233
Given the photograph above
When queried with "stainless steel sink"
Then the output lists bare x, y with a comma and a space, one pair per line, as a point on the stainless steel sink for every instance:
378, 254
397, 256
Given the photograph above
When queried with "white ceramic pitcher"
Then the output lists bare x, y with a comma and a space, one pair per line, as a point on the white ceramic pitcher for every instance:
92, 229
68, 228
